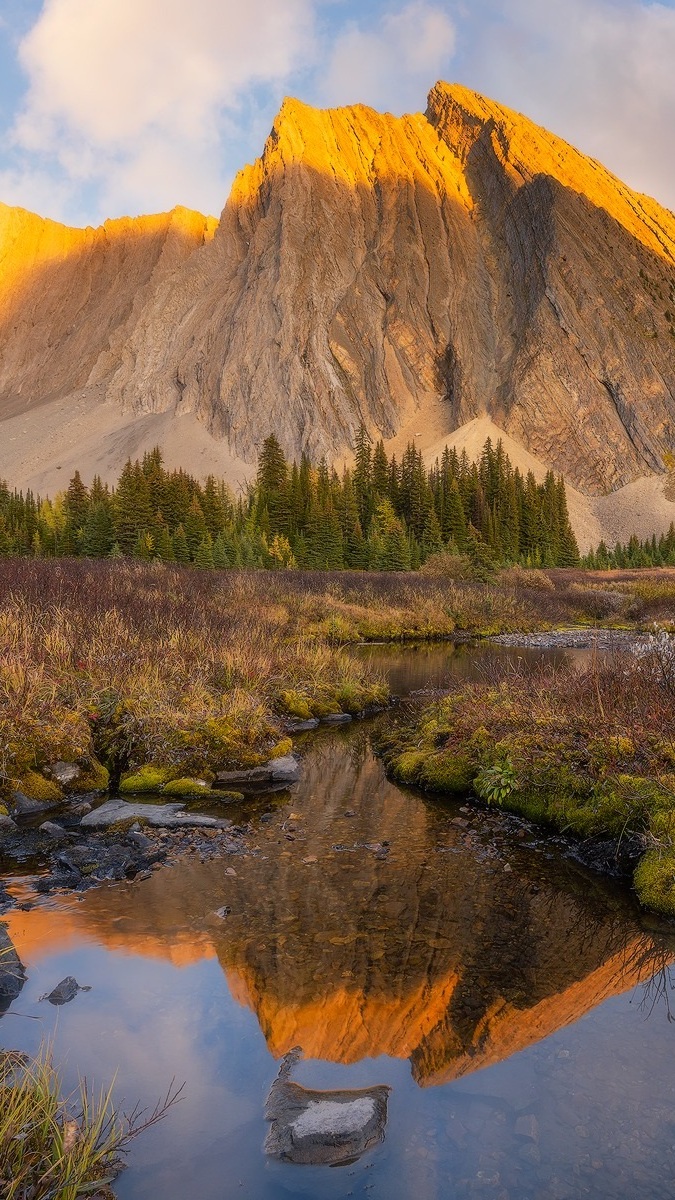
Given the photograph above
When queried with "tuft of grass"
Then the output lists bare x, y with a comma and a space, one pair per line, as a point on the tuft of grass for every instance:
61, 1149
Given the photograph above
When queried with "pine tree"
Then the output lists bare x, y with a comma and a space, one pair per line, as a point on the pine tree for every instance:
181, 550
203, 556
97, 535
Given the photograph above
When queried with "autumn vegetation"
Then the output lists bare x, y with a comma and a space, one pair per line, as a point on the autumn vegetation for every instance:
590, 752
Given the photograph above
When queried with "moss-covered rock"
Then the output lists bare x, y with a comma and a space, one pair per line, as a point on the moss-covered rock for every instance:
149, 778
655, 881
189, 789
282, 748
94, 777
293, 704
448, 771
407, 767
36, 787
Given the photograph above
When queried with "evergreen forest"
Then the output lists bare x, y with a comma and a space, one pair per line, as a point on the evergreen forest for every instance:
380, 514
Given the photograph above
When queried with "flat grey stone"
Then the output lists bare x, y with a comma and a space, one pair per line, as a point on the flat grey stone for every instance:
162, 816
302, 726
276, 771
337, 719
25, 806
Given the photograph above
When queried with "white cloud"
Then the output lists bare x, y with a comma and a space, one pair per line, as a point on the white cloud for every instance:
131, 93
597, 72
393, 64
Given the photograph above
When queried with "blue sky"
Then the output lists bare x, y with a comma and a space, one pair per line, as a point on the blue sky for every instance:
110, 107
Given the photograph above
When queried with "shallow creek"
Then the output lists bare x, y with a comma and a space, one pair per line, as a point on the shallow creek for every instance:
516, 1004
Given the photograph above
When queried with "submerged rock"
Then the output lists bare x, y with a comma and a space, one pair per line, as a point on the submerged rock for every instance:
322, 1127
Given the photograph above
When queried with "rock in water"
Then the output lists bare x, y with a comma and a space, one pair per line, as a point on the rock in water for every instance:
321, 1127
65, 991
12, 973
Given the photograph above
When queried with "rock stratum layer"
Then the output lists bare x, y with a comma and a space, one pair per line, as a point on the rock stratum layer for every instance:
412, 273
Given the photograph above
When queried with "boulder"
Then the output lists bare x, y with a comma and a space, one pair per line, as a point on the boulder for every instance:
301, 726
26, 806
56, 832
7, 825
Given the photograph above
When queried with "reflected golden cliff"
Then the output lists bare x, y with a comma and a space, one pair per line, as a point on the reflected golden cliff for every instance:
426, 948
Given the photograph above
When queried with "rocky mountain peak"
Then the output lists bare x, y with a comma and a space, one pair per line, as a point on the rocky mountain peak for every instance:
414, 273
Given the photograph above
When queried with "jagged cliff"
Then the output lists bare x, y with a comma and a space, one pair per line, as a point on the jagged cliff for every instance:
413, 273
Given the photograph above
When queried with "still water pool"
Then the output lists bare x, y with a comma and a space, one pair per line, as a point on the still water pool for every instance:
516, 1004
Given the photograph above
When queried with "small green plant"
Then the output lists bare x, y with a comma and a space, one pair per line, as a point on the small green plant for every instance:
497, 782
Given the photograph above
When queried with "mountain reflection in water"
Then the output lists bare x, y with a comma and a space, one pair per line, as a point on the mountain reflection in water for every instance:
393, 931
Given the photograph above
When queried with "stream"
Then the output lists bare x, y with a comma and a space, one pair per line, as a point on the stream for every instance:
517, 1005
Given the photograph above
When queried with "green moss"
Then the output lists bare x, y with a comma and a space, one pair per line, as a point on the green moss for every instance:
295, 705
529, 803
118, 828
186, 787
324, 708
4, 811
193, 788
448, 771
282, 748
93, 778
146, 779
407, 767
655, 881
36, 787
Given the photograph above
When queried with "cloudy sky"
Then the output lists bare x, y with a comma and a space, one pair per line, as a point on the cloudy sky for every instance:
125, 106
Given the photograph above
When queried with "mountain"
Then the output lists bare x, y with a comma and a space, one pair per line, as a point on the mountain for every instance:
421, 274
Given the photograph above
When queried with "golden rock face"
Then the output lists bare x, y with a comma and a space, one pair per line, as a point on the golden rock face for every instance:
366, 267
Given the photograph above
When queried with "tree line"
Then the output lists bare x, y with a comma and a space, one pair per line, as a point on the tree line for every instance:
652, 552
380, 514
